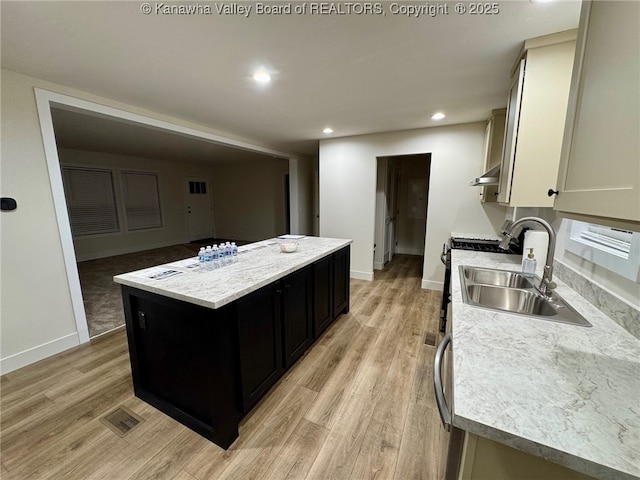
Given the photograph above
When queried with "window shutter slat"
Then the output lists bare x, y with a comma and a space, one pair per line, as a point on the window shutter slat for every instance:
142, 202
90, 201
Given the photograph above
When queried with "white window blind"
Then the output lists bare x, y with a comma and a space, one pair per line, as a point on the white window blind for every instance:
90, 200
141, 200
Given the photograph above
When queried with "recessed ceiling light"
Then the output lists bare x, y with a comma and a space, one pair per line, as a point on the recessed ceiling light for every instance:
261, 76
438, 116
327, 131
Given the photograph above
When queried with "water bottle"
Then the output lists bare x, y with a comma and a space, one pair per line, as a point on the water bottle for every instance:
223, 254
201, 263
234, 251
215, 254
207, 257
227, 253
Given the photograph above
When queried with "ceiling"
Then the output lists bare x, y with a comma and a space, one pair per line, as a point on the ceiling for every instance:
98, 133
356, 73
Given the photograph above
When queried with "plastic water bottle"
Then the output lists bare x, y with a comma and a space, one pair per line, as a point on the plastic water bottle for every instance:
207, 257
201, 263
227, 253
223, 254
215, 257
234, 251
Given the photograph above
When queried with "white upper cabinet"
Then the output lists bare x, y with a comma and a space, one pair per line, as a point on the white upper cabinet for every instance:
599, 174
535, 120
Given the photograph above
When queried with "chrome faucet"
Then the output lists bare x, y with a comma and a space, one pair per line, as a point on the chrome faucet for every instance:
512, 229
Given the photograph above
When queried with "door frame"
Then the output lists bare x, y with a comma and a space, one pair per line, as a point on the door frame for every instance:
45, 100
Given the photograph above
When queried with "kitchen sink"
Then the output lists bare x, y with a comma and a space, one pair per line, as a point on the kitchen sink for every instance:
503, 278
514, 292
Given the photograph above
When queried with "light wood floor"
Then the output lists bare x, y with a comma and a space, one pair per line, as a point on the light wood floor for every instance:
359, 405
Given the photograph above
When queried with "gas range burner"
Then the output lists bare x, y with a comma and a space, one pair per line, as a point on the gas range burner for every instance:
483, 245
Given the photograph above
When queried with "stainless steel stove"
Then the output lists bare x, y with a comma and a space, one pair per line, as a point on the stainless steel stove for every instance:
482, 245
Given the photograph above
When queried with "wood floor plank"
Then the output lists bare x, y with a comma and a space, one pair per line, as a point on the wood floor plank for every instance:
423, 433
144, 442
82, 461
301, 449
169, 461
30, 438
380, 448
30, 407
324, 410
184, 475
318, 373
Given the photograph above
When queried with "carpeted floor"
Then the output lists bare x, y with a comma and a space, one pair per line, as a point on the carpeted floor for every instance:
101, 295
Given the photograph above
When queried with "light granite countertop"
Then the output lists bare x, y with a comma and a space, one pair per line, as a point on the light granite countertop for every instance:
566, 393
254, 267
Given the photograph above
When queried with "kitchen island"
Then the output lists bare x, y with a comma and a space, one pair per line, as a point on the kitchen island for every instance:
566, 393
205, 345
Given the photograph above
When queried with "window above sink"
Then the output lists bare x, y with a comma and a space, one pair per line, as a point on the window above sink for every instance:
615, 249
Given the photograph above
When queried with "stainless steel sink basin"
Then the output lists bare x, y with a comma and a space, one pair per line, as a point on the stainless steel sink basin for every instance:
513, 292
510, 300
489, 276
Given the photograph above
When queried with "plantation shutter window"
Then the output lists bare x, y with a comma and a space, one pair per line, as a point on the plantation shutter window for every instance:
141, 200
90, 201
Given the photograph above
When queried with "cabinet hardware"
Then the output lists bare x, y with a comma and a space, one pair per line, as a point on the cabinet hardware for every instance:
551, 192
142, 320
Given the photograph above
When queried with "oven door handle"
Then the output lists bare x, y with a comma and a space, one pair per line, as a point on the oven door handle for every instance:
441, 401
444, 254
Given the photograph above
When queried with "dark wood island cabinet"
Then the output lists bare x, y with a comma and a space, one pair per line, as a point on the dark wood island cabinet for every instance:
206, 361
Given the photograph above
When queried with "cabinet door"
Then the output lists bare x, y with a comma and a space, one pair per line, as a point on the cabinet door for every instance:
494, 138
323, 295
509, 146
260, 342
600, 171
341, 265
297, 313
172, 358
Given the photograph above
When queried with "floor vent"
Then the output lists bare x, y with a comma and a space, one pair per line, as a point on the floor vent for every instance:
121, 421
430, 339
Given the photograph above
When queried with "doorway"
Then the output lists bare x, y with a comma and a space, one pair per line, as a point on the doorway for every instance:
45, 102
199, 206
402, 190
287, 204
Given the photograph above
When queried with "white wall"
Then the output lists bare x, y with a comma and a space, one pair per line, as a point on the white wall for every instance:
301, 177
36, 304
28, 331
348, 190
171, 186
249, 200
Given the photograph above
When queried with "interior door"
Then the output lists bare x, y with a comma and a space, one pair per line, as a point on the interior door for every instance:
199, 203
391, 217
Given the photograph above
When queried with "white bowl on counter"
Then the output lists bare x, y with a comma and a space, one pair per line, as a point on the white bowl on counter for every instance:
288, 247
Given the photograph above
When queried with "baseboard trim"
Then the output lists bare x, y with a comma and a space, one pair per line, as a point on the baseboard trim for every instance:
431, 285
35, 354
361, 275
